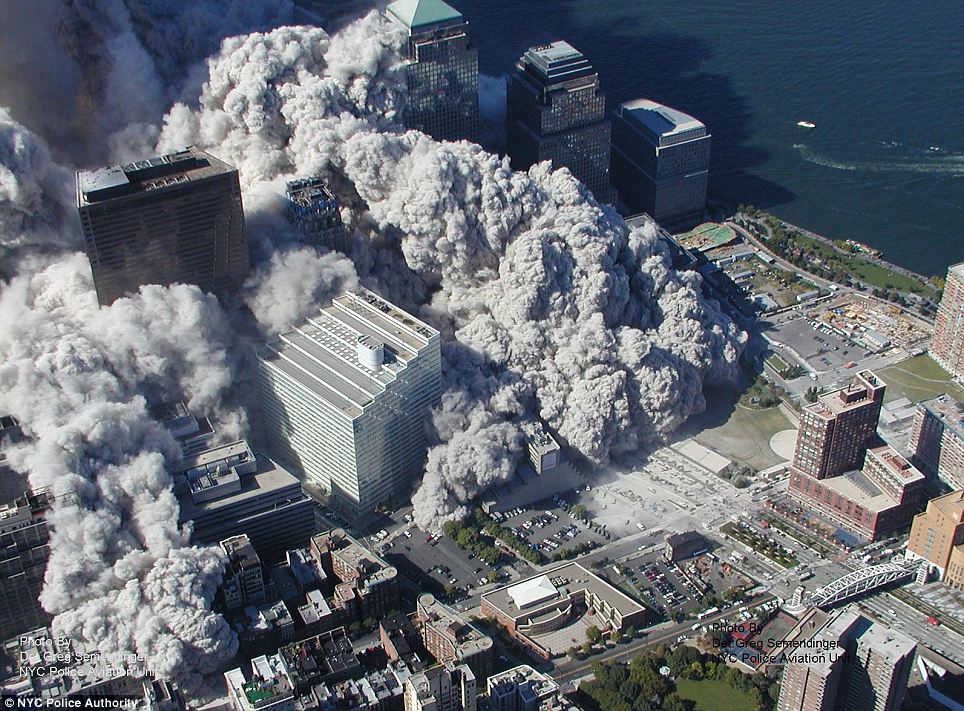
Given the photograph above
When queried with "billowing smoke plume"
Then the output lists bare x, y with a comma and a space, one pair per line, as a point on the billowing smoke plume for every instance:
35, 196
550, 306
571, 317
111, 68
121, 575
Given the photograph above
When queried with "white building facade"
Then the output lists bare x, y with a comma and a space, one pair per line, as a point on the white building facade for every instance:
346, 399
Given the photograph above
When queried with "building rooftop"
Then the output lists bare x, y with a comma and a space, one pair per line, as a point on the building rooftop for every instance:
368, 568
896, 464
324, 655
265, 618
532, 591
467, 638
267, 478
556, 63
950, 505
157, 173
957, 270
240, 552
310, 192
948, 410
565, 580
540, 683
539, 440
222, 456
658, 119
679, 539
887, 643
848, 397
322, 355
28, 508
856, 487
419, 14
267, 685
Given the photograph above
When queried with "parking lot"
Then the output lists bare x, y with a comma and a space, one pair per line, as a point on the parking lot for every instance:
820, 348
662, 586
550, 529
437, 564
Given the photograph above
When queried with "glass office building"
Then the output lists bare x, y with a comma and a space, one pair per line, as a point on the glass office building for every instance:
660, 162
555, 110
442, 70
175, 218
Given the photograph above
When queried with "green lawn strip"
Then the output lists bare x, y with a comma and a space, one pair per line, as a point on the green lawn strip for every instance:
919, 378
713, 695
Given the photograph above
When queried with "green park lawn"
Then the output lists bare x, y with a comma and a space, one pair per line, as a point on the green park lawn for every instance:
737, 432
713, 695
917, 379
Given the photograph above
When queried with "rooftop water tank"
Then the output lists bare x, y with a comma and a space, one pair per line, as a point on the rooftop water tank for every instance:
371, 352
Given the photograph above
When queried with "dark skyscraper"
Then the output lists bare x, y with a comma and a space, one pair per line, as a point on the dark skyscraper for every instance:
442, 71
556, 111
660, 162
24, 550
173, 218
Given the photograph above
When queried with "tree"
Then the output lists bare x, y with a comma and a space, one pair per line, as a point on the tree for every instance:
811, 394
630, 632
369, 623
578, 511
573, 653
675, 703
593, 634
449, 591
587, 647
467, 538
615, 636
451, 528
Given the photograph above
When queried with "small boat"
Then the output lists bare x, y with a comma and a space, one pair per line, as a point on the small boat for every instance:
806, 124
935, 148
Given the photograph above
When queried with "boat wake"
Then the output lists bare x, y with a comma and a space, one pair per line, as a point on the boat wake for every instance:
943, 163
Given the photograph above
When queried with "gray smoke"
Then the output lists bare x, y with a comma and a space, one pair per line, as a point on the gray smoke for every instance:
595, 332
293, 283
35, 196
112, 67
121, 575
551, 307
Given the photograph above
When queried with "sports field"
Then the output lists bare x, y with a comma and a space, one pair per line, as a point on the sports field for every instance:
737, 432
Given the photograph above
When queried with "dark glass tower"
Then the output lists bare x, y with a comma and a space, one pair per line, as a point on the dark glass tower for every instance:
556, 111
173, 218
442, 72
24, 550
660, 162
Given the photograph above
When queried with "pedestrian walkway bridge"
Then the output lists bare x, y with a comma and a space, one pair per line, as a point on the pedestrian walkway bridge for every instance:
861, 581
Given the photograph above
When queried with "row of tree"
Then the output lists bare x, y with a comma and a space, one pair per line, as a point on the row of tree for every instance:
640, 686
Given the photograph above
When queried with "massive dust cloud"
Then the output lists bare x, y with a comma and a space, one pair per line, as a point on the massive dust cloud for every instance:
551, 307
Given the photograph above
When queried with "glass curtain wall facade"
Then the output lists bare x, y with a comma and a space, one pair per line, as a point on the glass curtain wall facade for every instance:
660, 162
169, 219
442, 72
555, 110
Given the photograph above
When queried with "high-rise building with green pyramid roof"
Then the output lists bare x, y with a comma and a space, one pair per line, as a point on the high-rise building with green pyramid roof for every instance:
442, 72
